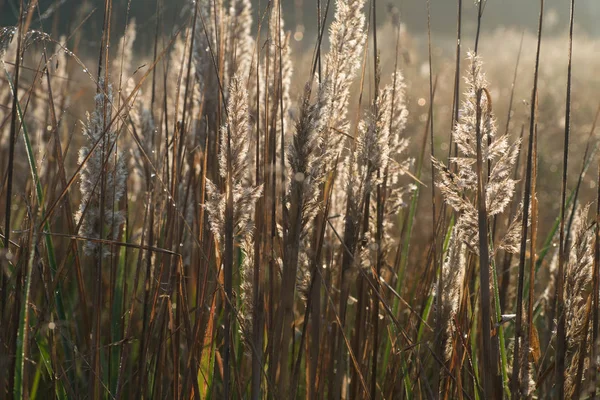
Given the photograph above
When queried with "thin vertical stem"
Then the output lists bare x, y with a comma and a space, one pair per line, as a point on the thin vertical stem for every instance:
561, 326
11, 155
515, 387
489, 367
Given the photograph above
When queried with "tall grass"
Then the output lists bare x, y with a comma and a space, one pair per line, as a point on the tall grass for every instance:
235, 218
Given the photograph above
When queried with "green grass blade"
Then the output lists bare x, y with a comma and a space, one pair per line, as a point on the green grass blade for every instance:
47, 237
23, 328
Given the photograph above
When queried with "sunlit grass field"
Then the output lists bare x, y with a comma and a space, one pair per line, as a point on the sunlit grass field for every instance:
233, 204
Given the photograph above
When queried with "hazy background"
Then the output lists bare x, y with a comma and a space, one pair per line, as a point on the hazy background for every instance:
521, 14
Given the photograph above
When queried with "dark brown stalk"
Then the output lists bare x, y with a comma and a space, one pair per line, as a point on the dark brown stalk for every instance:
489, 366
381, 199
283, 317
561, 327
505, 272
456, 98
289, 246
11, 156
258, 304
479, 17
259, 242
515, 381
148, 286
508, 256
344, 338
147, 289
360, 336
138, 274
320, 31
313, 310
317, 58
379, 219
315, 346
188, 80
228, 274
289, 273
270, 194
439, 325
68, 208
156, 35
512, 87
96, 372
11, 343
350, 243
532, 263
284, 211
296, 369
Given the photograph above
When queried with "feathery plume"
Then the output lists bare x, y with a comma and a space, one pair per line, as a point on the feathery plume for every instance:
347, 38
398, 163
370, 155
578, 274
177, 74
306, 173
460, 186
453, 271
95, 225
244, 195
122, 65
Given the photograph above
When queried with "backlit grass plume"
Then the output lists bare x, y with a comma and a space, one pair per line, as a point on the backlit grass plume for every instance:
341, 65
458, 182
244, 196
398, 163
306, 172
363, 170
123, 63
235, 139
105, 163
453, 270
578, 275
